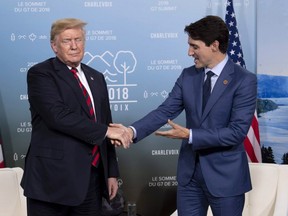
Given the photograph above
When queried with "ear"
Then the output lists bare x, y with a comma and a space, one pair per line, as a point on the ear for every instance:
215, 46
53, 46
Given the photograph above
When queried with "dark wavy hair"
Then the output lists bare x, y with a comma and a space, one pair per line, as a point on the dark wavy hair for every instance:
209, 29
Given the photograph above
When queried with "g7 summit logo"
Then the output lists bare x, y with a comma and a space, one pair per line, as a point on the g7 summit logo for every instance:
115, 69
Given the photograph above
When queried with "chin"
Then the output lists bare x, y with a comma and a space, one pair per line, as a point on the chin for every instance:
198, 66
75, 61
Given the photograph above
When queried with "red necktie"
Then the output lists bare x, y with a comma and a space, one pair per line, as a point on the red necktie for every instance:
95, 151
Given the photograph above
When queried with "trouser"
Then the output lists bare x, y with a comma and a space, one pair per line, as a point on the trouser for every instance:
193, 199
91, 206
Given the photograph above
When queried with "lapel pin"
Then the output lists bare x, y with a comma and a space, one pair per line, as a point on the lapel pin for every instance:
225, 82
91, 78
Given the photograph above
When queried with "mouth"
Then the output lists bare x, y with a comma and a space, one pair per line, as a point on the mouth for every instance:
74, 54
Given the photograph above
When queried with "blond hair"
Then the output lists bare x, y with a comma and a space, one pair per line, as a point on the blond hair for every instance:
63, 24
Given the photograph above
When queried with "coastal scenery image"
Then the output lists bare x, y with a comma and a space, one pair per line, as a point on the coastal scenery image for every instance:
272, 72
273, 117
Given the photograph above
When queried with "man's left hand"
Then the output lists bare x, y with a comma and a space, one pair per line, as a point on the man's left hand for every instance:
177, 131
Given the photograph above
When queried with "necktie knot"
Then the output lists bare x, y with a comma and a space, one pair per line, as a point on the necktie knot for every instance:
74, 70
209, 74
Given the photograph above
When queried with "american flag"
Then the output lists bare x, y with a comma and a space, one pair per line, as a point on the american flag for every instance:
1, 154
252, 140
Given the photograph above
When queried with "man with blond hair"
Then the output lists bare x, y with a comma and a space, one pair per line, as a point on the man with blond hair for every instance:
71, 162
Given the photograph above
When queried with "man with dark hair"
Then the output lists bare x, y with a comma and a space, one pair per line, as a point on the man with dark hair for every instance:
219, 99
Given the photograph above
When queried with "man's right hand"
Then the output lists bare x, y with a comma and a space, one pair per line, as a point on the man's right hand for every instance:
120, 135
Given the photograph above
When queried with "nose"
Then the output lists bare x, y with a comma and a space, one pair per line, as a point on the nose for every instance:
190, 51
73, 44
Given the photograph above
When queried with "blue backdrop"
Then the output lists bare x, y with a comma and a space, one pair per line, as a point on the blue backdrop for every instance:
141, 48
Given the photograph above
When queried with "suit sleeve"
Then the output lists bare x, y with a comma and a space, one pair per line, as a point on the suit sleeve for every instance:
113, 169
169, 109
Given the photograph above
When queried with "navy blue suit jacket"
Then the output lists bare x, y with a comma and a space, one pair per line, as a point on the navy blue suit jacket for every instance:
58, 162
218, 133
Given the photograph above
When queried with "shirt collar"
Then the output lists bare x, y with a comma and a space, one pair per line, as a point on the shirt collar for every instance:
78, 68
219, 67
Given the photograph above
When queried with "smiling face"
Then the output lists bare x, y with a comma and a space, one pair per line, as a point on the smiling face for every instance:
204, 56
69, 46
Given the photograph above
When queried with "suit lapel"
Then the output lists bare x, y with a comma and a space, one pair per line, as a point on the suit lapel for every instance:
198, 87
192, 86
64, 73
222, 83
94, 84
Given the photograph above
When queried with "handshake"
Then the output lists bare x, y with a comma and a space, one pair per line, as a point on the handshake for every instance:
120, 135
123, 136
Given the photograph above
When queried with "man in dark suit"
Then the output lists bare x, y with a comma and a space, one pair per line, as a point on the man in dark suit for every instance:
70, 113
213, 167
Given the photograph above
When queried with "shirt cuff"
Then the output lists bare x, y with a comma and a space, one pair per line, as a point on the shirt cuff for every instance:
190, 137
134, 132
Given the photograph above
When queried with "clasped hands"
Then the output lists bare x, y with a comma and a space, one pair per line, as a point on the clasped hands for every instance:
123, 136
120, 135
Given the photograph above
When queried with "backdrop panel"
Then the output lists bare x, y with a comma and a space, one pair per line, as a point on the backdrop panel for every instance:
141, 48
272, 70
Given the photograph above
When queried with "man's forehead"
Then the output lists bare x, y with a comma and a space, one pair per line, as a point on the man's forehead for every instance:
194, 42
